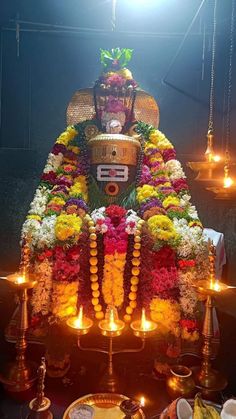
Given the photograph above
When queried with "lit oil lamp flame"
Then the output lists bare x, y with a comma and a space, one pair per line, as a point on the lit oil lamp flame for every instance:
216, 158
215, 286
142, 401
20, 280
112, 324
145, 325
228, 182
78, 322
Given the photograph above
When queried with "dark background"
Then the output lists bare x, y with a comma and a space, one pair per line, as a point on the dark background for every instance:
59, 53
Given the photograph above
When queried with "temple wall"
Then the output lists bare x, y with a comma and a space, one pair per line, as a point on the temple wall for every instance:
37, 86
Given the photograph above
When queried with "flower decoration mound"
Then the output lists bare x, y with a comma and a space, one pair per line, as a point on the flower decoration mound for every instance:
116, 256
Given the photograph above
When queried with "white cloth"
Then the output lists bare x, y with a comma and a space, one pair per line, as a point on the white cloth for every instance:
218, 241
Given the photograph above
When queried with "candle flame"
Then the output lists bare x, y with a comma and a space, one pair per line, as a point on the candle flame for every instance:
112, 324
145, 325
142, 401
79, 321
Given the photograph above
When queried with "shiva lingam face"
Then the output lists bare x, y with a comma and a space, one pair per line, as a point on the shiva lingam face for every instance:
113, 162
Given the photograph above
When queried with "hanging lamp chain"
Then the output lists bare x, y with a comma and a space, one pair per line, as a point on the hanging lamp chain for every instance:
229, 97
210, 124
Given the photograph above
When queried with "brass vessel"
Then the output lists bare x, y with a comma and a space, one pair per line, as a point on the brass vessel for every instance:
180, 382
114, 148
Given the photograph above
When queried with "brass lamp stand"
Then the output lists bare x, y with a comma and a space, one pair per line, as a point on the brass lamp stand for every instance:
206, 378
111, 327
20, 375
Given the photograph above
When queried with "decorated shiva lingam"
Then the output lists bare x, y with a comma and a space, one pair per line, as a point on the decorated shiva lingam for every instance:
20, 375
207, 378
112, 327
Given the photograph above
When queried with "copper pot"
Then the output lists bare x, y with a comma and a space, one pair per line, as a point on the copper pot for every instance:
180, 382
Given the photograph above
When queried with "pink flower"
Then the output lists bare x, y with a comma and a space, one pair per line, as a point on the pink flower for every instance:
115, 80
114, 105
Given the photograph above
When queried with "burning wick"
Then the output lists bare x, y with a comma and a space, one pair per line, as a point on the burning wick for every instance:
79, 321
228, 181
142, 401
145, 325
215, 286
20, 280
112, 324
216, 158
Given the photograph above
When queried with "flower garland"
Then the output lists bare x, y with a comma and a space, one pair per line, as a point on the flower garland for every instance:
115, 223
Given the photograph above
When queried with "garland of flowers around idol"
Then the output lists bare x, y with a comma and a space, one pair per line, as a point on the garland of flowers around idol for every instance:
115, 224
54, 225
173, 226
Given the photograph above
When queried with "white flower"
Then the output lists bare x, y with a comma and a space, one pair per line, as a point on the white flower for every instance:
46, 234
98, 214
191, 238
132, 218
41, 297
184, 200
175, 169
53, 162
39, 203
193, 212
30, 231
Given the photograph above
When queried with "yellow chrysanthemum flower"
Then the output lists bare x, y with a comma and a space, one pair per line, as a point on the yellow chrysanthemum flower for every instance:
57, 200
34, 217
146, 191
67, 226
67, 136
71, 131
64, 301
74, 148
195, 223
167, 314
161, 228
171, 200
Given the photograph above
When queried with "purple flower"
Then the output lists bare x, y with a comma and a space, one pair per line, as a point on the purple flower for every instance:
78, 202
63, 180
158, 181
58, 148
169, 154
154, 202
145, 176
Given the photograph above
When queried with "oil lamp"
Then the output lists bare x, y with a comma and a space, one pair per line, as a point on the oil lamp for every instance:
206, 378
80, 323
111, 326
20, 375
143, 328
205, 169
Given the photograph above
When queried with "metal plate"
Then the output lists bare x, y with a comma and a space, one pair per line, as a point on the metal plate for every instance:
106, 406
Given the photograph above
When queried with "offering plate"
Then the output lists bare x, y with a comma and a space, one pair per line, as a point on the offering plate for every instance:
105, 405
